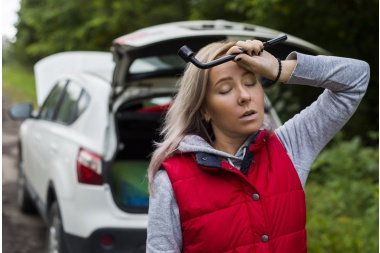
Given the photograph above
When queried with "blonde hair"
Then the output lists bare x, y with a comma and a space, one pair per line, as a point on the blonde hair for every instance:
184, 116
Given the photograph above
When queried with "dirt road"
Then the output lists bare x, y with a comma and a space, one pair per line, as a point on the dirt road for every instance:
21, 233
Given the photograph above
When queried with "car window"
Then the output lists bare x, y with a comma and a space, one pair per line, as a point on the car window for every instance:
72, 104
83, 102
155, 63
49, 106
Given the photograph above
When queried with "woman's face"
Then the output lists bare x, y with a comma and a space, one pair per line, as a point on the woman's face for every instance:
234, 102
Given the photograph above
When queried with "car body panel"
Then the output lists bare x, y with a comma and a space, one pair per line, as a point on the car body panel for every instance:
46, 71
96, 212
49, 148
186, 29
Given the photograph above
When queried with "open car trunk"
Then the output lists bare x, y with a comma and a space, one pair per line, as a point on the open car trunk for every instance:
137, 125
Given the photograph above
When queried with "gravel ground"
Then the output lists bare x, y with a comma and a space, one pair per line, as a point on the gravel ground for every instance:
21, 233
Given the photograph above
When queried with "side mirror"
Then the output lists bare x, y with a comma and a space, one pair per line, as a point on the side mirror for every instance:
21, 111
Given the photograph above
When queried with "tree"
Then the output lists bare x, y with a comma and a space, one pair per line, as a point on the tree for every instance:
347, 28
50, 26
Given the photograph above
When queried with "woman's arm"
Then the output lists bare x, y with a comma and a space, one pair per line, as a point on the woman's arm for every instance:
164, 227
345, 82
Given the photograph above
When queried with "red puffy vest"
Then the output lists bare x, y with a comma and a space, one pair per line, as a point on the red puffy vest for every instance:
223, 210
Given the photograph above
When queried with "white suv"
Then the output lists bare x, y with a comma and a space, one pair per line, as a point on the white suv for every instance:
85, 151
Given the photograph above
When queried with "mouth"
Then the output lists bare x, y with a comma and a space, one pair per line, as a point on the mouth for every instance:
248, 113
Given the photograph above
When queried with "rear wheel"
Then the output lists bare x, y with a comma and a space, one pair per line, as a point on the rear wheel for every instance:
55, 233
24, 200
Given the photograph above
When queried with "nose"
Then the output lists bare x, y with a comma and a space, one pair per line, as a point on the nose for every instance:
244, 96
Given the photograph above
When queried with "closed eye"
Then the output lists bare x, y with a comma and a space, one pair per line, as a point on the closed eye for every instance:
251, 84
250, 79
225, 88
224, 91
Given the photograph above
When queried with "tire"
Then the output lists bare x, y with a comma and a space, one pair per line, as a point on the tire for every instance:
55, 242
24, 200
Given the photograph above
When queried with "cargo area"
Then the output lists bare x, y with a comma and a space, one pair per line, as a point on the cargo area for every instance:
137, 125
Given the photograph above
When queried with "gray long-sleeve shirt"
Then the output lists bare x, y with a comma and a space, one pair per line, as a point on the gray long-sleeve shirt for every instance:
303, 137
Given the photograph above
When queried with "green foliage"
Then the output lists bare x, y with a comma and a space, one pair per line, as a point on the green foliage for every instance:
342, 198
18, 83
347, 28
50, 26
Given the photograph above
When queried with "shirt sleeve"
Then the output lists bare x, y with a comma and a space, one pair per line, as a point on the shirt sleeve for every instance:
164, 228
307, 133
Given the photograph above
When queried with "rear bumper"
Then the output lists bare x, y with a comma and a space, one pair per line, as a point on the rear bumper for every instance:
124, 240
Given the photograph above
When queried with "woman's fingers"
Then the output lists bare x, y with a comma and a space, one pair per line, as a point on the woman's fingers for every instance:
235, 50
252, 47
265, 65
249, 47
253, 58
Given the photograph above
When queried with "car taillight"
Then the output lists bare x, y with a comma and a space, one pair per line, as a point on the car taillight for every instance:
107, 242
89, 168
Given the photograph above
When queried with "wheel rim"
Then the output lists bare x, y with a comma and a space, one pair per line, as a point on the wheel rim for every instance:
54, 233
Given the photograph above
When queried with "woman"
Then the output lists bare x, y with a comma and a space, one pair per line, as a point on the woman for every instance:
221, 180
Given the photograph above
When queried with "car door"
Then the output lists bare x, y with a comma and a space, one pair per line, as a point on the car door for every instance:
36, 139
55, 129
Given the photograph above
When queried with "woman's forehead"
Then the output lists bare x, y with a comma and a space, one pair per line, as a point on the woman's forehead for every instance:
227, 70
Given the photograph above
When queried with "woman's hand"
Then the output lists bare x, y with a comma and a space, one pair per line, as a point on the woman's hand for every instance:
259, 61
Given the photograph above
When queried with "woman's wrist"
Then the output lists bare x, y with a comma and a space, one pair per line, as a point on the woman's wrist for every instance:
287, 70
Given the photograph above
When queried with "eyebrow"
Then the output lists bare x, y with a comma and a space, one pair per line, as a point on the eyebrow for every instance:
222, 80
230, 78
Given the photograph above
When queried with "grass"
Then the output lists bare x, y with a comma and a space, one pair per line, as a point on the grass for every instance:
18, 84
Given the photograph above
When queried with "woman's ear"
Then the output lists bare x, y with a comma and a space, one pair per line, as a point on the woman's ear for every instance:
205, 116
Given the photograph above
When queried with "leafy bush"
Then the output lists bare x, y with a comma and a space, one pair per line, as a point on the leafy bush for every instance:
342, 199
